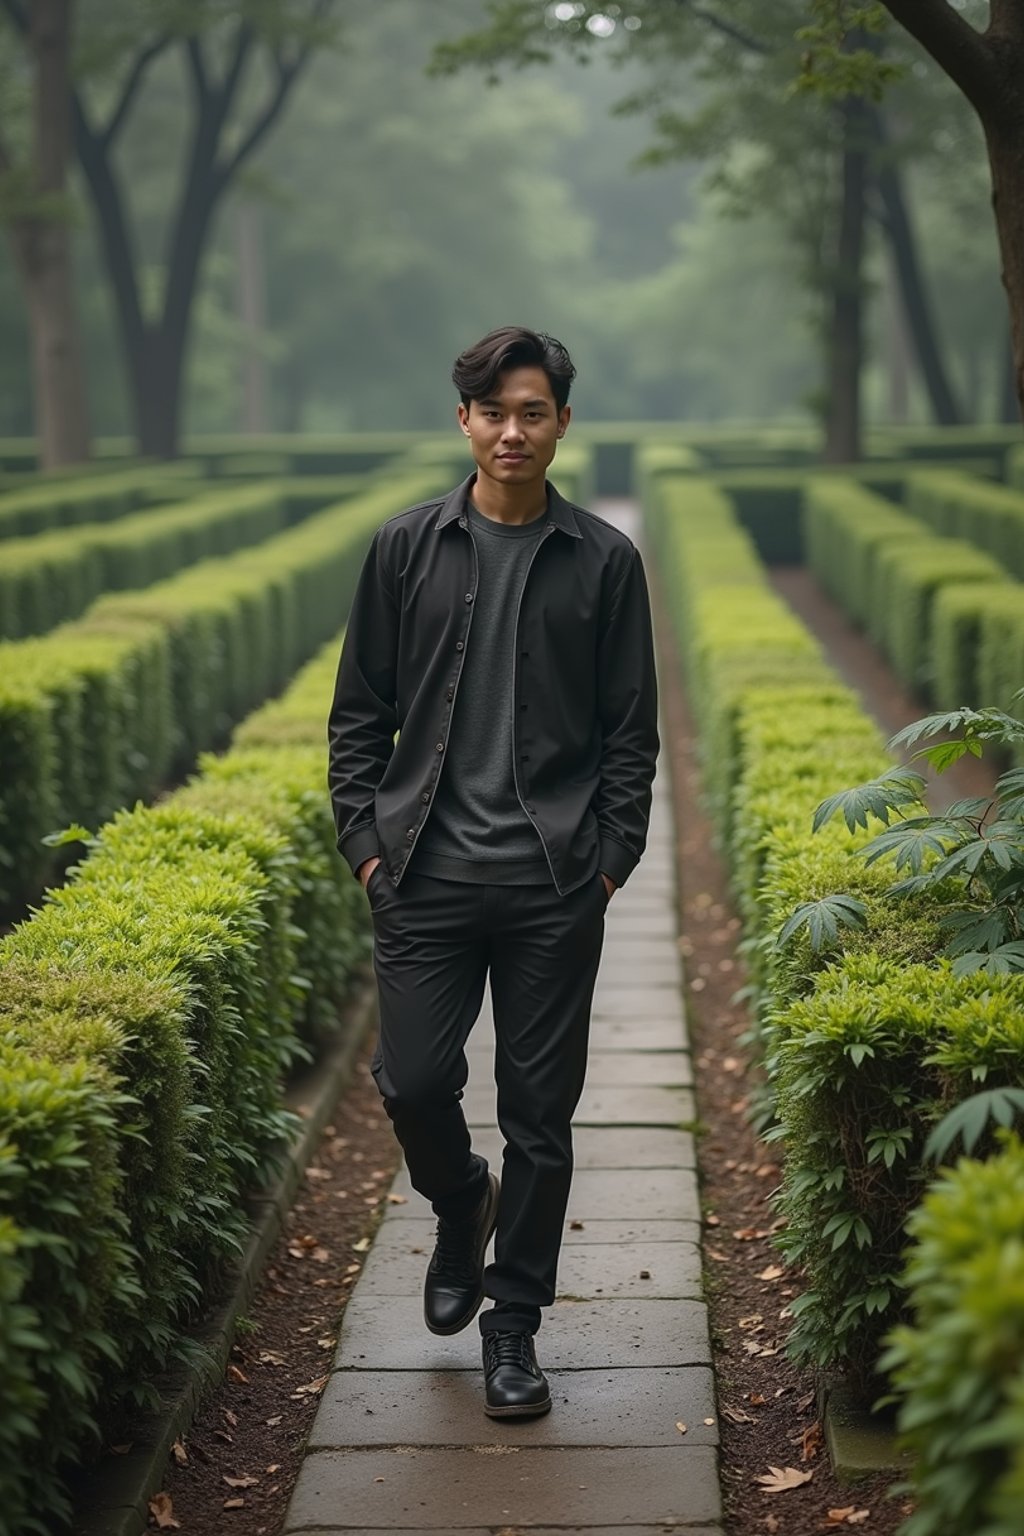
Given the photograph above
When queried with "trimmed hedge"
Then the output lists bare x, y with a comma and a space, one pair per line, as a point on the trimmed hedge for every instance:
104, 710
45, 581
150, 1011
887, 570
869, 1040
67, 500
959, 1368
991, 517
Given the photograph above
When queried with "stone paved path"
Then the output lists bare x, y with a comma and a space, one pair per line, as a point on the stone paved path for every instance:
401, 1443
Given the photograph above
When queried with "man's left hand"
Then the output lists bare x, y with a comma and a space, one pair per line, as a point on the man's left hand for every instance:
609, 885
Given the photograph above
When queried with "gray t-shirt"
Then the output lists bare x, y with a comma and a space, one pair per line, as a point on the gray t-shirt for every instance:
477, 829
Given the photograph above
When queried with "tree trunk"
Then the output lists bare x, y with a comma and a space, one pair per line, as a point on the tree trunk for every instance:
42, 248
1004, 140
252, 309
846, 345
155, 367
1006, 388
897, 349
916, 301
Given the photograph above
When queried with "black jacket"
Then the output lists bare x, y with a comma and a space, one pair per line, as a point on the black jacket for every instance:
586, 734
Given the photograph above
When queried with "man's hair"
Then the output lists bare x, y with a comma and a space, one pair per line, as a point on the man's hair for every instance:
475, 372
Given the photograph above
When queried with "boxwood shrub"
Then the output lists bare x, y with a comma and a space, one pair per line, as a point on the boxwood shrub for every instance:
991, 517
868, 1040
150, 1012
958, 1366
67, 499
47, 580
104, 709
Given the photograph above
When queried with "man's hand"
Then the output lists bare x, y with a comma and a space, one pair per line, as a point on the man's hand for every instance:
609, 885
365, 870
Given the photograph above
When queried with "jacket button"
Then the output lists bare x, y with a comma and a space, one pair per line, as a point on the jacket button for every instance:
460, 645
425, 797
439, 747
469, 597
462, 522
410, 833
450, 694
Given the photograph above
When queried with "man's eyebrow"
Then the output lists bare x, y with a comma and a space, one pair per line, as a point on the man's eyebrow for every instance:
539, 401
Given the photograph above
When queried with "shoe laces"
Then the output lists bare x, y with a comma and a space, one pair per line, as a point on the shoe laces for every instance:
455, 1252
508, 1349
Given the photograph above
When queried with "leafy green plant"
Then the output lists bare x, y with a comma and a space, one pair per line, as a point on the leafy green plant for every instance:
974, 850
958, 1367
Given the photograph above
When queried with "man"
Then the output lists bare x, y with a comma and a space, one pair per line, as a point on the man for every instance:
505, 635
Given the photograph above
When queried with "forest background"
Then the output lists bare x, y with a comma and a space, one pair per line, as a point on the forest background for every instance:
682, 248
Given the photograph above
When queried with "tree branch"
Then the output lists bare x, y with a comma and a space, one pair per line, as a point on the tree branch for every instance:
287, 74
143, 60
953, 43
728, 29
194, 49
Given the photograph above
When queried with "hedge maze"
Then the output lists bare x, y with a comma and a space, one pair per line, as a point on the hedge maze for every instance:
168, 640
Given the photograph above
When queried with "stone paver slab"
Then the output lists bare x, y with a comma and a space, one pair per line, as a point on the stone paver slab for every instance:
610, 1146
449, 1489
536, 1530
589, 1408
638, 1035
610, 1194
636, 1106
598, 1272
577, 1335
650, 1069
615, 999
416, 1235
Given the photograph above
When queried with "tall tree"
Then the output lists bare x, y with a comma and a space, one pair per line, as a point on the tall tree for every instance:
243, 61
36, 210
720, 76
981, 49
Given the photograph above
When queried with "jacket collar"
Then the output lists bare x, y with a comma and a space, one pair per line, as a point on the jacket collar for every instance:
559, 510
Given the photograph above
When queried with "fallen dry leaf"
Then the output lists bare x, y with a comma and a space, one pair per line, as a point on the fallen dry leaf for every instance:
782, 1479
236, 1503
311, 1387
273, 1422
230, 1417
120, 1450
773, 1272
849, 1515
397, 1200
680, 1426
738, 1415
236, 1373
179, 1453
240, 1482
575, 1226
757, 1399
162, 1513
362, 1245
810, 1442
771, 1523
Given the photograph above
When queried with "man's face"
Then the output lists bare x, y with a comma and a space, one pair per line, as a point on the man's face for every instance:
514, 432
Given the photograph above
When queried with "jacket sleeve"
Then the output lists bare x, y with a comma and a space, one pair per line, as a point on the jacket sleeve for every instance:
363, 719
628, 712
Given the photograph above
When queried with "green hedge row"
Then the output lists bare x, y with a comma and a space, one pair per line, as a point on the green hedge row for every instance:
67, 500
991, 517
867, 1042
46, 580
769, 501
886, 569
151, 1010
102, 711
959, 1367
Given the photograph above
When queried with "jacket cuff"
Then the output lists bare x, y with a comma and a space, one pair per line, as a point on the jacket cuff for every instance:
616, 860
359, 845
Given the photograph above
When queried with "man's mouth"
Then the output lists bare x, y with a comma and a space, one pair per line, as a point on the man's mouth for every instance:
512, 458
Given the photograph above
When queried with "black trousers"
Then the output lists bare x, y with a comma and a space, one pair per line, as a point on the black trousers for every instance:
434, 943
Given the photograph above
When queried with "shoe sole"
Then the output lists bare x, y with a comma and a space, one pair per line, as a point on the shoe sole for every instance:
467, 1317
525, 1411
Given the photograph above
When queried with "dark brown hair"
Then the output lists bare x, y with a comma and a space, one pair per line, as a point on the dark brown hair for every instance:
475, 372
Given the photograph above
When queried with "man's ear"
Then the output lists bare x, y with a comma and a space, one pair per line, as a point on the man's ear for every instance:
463, 415
564, 418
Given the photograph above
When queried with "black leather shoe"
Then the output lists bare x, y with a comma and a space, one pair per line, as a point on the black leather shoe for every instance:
516, 1387
454, 1287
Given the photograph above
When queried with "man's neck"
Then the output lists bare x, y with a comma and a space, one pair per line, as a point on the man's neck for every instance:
508, 503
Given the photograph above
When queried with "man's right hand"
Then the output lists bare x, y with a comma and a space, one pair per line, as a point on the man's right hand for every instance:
365, 870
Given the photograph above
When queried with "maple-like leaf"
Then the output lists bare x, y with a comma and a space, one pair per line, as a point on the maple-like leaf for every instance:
782, 1479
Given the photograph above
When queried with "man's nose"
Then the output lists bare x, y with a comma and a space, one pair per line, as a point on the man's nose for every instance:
512, 431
